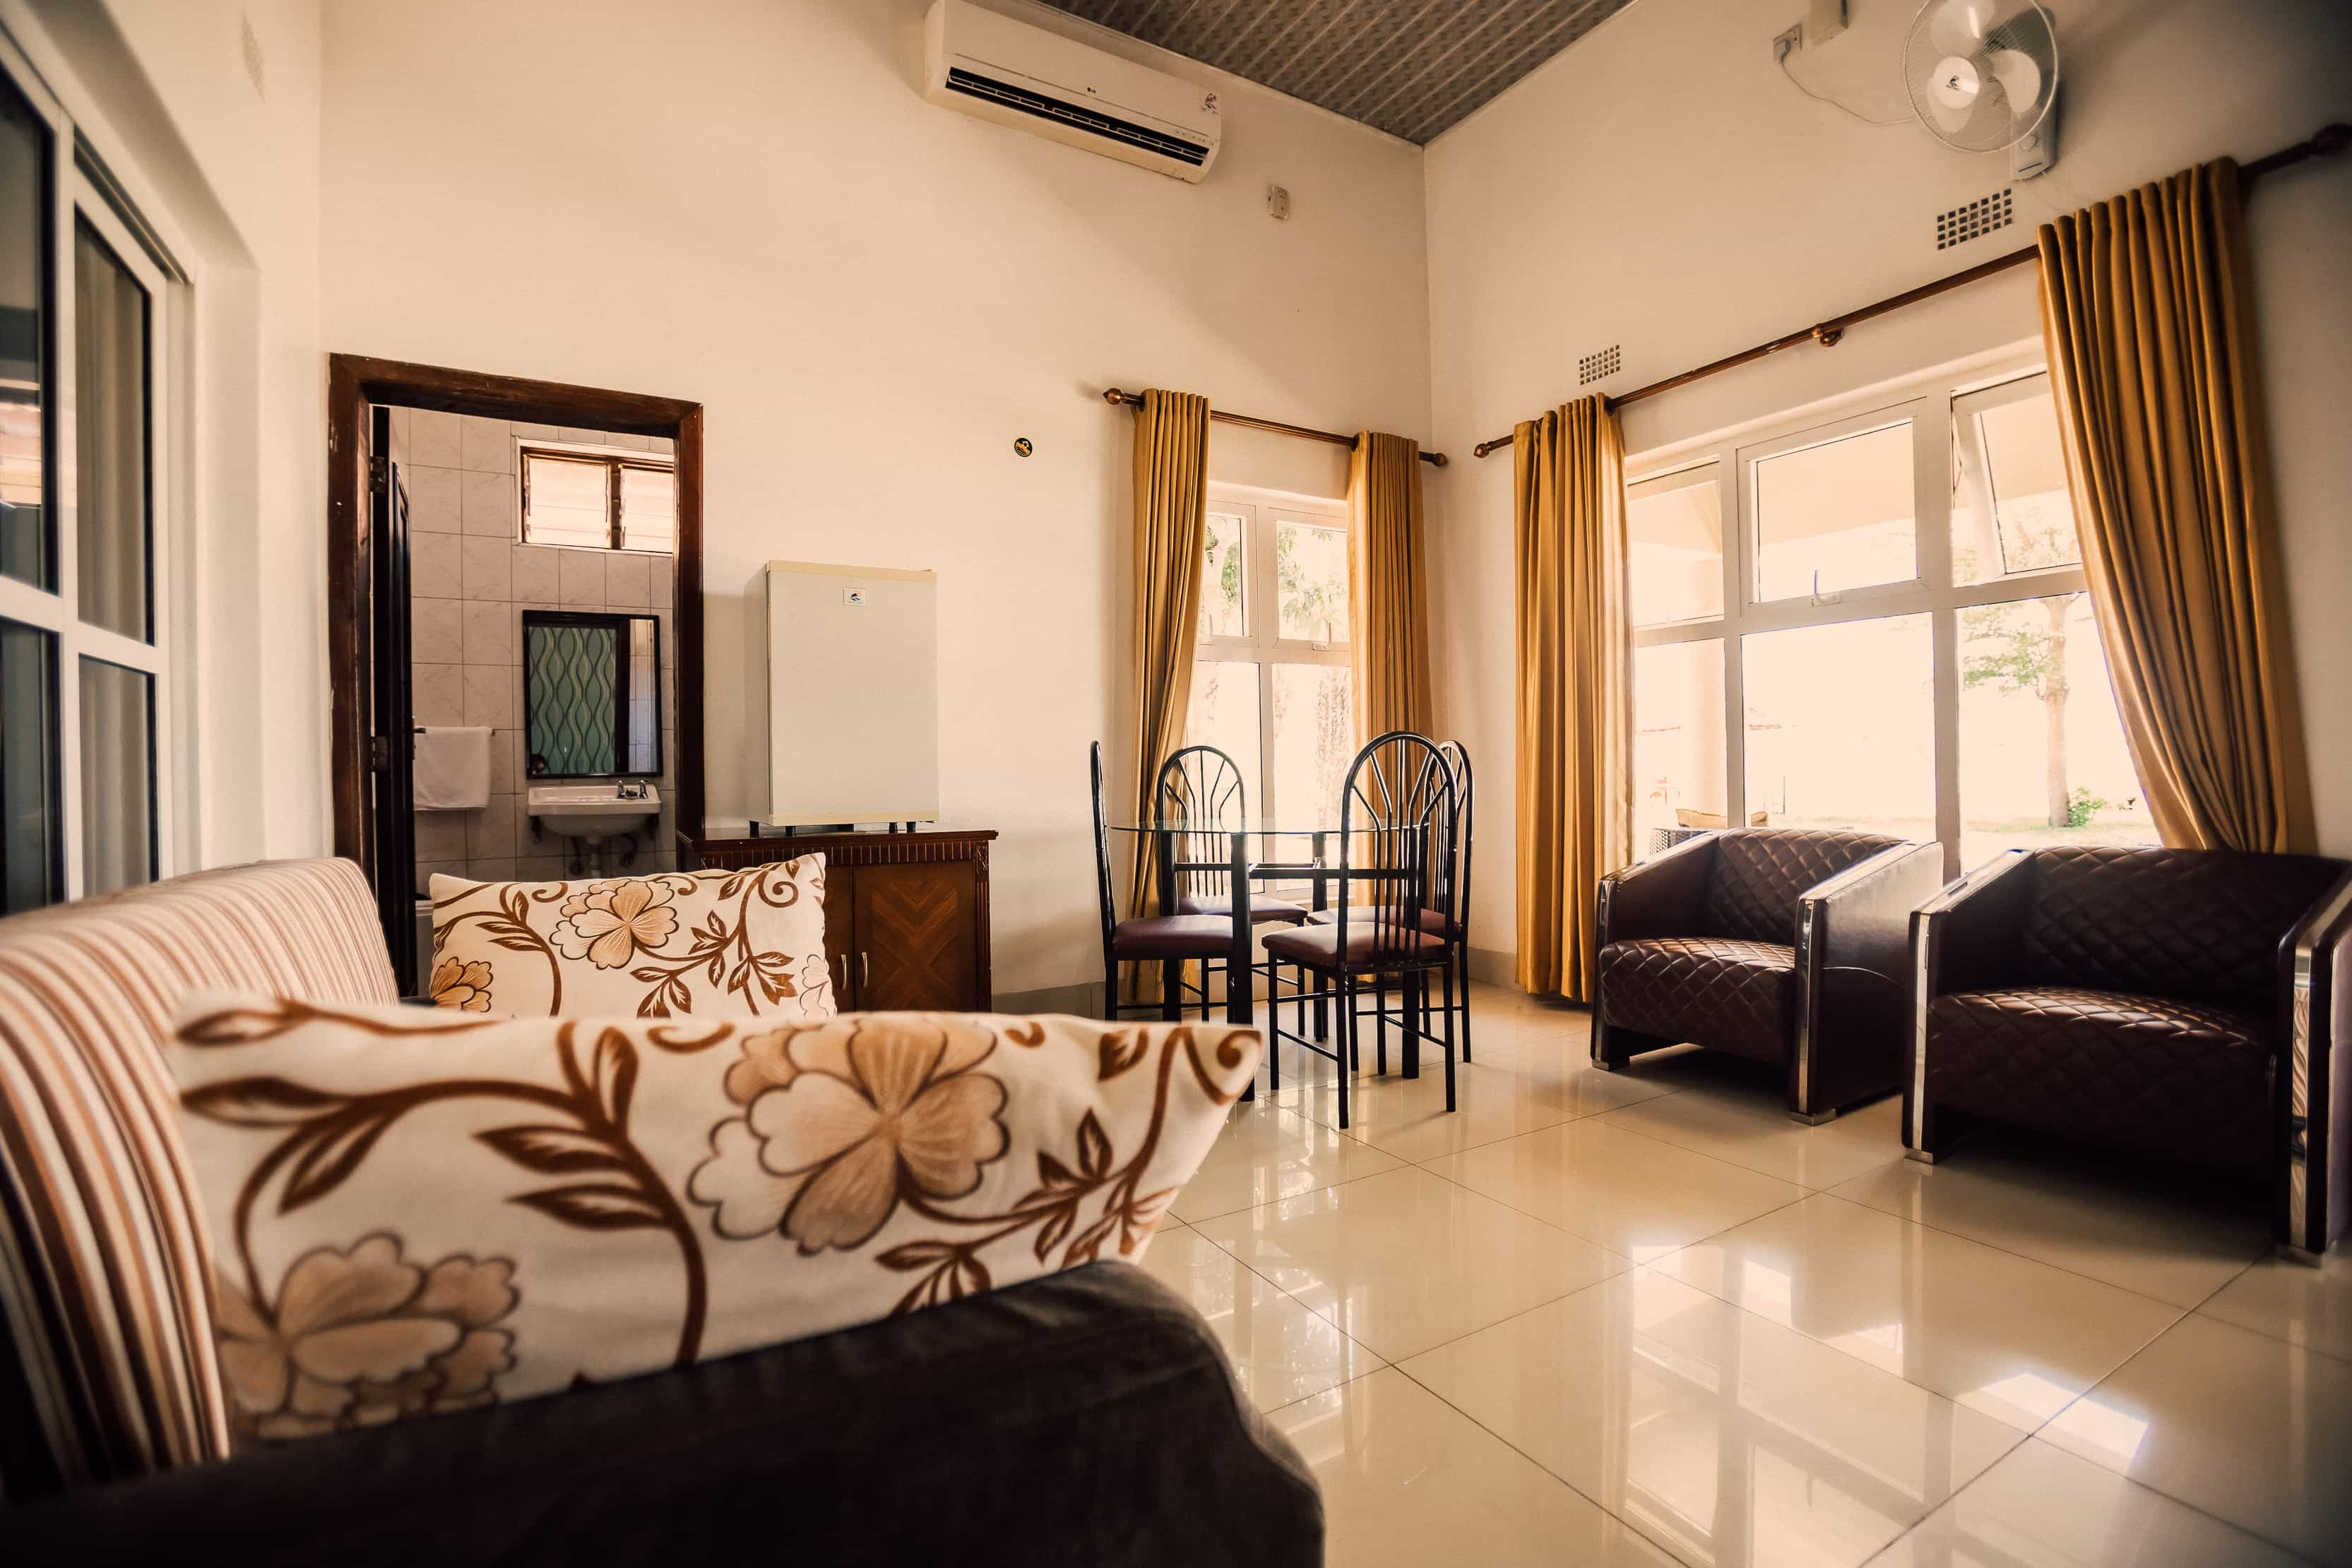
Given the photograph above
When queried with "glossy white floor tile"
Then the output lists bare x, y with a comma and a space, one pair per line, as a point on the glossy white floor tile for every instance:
1406, 1261
1999, 1333
1408, 1481
1726, 1439
1266, 1154
2293, 1302
1748, 1123
2043, 1508
1281, 1352
1629, 1193
1407, 1117
2140, 1230
2249, 1429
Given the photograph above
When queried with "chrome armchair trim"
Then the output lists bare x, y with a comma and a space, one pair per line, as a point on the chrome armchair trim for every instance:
2296, 1135
1923, 946
1809, 921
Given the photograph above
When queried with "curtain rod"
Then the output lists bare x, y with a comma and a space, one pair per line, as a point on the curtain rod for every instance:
1134, 400
2330, 140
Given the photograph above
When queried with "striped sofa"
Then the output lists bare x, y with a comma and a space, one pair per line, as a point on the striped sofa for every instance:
109, 1369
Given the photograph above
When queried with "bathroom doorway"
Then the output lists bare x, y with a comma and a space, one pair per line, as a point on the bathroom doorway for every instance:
431, 574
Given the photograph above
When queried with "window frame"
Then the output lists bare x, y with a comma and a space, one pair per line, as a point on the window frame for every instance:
1262, 513
1933, 404
613, 461
78, 191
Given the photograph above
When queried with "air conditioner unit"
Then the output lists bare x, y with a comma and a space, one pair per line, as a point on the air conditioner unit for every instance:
1014, 74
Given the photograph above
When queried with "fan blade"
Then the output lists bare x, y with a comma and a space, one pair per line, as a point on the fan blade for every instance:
2020, 78
1959, 27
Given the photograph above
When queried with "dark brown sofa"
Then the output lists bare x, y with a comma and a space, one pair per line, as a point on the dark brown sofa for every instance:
2176, 1003
1781, 945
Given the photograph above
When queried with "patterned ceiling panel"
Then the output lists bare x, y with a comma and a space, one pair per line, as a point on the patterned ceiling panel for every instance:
1412, 67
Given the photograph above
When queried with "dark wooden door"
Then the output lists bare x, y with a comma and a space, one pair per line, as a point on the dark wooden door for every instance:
391, 736
916, 928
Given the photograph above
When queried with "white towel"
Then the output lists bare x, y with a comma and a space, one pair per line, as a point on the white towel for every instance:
452, 771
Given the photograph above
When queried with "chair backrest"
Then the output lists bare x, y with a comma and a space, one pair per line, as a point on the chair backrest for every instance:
2196, 924
1398, 817
1759, 874
104, 1266
1201, 789
1103, 902
1465, 793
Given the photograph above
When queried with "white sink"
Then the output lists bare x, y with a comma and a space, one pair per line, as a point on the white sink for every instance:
591, 811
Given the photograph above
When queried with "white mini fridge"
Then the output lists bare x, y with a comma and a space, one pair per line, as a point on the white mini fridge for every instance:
853, 695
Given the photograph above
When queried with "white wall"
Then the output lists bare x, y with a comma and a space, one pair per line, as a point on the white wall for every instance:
1661, 186
747, 203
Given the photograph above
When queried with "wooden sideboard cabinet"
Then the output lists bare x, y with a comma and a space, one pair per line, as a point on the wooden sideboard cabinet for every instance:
906, 914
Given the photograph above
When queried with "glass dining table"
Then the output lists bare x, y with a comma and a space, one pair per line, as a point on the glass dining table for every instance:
1249, 851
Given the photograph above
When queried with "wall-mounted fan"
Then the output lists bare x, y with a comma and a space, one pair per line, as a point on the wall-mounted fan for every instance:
1983, 75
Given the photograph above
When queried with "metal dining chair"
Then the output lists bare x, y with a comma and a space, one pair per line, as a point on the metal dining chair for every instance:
1201, 791
1399, 815
1170, 941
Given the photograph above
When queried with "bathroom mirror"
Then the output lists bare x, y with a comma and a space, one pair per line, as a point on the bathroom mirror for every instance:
592, 688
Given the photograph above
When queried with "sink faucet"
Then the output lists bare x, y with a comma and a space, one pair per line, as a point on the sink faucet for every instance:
630, 790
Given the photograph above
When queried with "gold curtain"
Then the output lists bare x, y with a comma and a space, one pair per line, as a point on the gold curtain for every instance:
1387, 593
2146, 313
1171, 480
1575, 670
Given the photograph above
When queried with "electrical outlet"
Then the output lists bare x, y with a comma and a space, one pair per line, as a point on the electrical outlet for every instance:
1789, 43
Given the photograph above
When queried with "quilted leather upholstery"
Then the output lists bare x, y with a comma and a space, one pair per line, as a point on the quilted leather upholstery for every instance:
1726, 994
2203, 926
2189, 1081
1759, 874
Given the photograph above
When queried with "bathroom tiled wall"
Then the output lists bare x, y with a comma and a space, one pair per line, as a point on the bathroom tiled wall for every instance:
470, 579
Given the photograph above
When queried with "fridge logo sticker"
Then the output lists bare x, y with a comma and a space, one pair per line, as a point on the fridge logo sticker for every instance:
854, 597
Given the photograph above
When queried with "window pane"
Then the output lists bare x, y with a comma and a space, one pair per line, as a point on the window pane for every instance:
649, 510
565, 502
29, 828
2043, 759
1678, 758
1223, 715
1221, 578
118, 777
1311, 562
1840, 729
24, 253
111, 520
1314, 742
1835, 516
1674, 530
2033, 525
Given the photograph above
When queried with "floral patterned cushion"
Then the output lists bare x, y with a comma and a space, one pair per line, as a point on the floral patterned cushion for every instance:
707, 945
416, 1211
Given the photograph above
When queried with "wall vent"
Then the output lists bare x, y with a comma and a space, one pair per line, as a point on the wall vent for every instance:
1598, 365
1981, 216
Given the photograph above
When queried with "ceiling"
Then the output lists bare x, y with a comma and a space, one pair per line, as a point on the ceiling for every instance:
1411, 67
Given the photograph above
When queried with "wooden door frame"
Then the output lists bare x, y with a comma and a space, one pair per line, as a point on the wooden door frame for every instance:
355, 380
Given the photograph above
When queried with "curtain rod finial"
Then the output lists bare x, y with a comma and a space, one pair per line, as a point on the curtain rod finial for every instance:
1115, 396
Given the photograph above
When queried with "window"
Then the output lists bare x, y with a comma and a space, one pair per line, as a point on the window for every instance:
1271, 687
585, 496
1879, 622
85, 673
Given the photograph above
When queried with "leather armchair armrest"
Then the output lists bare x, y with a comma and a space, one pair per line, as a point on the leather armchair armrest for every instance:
1965, 938
2314, 1101
1659, 897
1852, 960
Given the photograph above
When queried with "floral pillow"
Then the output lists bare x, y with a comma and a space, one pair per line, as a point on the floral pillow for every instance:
710, 944
417, 1210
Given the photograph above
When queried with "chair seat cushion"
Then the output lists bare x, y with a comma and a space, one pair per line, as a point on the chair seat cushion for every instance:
1432, 920
1317, 946
1718, 992
2189, 1079
1263, 910
1174, 936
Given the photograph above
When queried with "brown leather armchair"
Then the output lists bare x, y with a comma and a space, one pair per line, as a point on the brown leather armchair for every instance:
1780, 944
2182, 1003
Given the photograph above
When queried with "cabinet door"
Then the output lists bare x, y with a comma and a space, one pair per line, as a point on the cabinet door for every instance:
840, 945
918, 937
